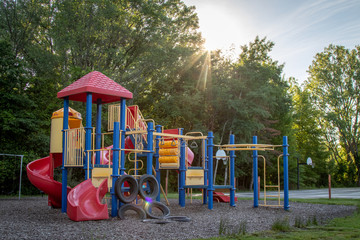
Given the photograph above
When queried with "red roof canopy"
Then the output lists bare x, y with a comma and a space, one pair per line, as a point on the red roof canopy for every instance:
99, 85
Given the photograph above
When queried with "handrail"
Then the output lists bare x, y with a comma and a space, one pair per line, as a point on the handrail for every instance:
178, 136
247, 149
74, 147
132, 121
250, 145
191, 133
113, 116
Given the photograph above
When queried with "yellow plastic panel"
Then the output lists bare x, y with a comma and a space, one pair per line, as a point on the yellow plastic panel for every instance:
56, 135
57, 126
194, 177
169, 165
168, 159
72, 114
74, 123
195, 172
168, 151
99, 174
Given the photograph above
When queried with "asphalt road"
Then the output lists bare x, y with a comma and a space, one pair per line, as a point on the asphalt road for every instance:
353, 193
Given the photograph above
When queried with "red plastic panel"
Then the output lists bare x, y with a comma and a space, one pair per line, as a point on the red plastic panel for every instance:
84, 202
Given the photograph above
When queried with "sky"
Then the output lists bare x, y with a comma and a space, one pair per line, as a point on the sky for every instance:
299, 28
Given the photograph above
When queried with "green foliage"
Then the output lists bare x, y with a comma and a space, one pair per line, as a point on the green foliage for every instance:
333, 201
334, 90
154, 49
338, 228
309, 138
249, 97
10, 175
18, 118
314, 221
242, 228
45, 47
299, 222
226, 229
222, 227
281, 225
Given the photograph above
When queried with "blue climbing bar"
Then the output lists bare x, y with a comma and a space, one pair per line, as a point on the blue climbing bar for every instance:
232, 172
157, 164
286, 173
115, 173
205, 172
255, 173
88, 130
182, 170
63, 168
210, 172
150, 153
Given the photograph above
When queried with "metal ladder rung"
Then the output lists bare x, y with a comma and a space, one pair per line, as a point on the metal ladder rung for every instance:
272, 196
267, 205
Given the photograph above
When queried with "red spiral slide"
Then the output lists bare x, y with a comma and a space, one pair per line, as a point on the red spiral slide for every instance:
83, 200
40, 173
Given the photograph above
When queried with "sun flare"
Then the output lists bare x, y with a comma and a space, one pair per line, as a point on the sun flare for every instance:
220, 30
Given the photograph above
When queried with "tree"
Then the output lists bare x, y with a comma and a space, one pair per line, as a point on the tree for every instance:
19, 130
334, 86
249, 97
309, 137
143, 45
146, 46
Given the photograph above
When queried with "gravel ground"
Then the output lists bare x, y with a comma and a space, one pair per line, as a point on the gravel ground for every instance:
31, 218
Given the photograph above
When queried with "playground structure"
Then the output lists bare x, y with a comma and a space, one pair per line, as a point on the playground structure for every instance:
255, 147
75, 146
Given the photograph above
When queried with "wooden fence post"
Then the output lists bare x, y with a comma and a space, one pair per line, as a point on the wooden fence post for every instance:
329, 179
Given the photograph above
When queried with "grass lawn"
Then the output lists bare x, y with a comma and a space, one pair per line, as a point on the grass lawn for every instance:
339, 228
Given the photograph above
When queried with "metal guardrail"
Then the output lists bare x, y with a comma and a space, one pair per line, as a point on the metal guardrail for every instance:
74, 147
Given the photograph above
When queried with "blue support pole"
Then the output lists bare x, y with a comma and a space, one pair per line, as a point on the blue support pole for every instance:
182, 170
115, 174
98, 130
210, 173
64, 169
149, 155
232, 172
255, 174
122, 129
157, 166
286, 173
88, 130
205, 173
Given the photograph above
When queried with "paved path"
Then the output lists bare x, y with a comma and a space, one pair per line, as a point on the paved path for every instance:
353, 193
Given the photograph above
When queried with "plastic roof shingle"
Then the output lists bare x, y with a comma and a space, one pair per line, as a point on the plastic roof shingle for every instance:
99, 85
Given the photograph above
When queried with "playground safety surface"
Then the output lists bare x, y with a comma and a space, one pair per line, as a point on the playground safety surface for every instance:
31, 218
